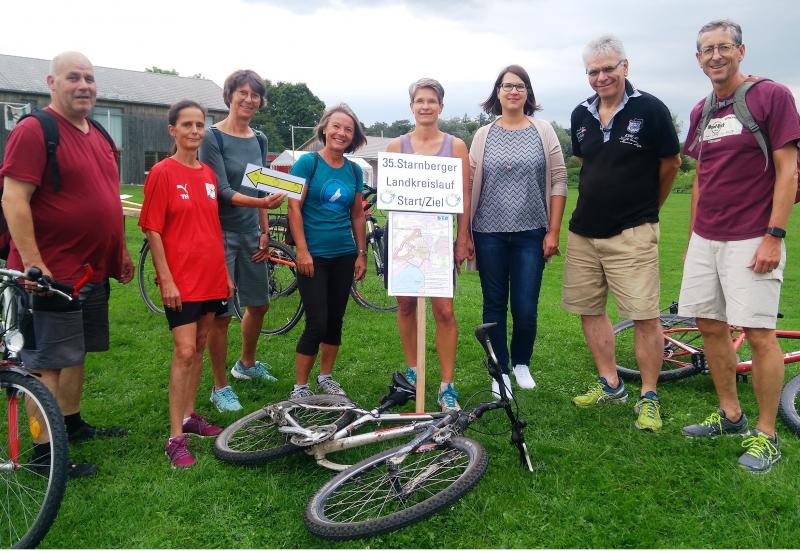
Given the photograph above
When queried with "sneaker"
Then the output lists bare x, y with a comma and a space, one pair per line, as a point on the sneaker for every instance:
258, 371
178, 453
601, 393
85, 431
762, 453
496, 387
300, 392
329, 386
198, 426
648, 408
717, 424
522, 374
447, 399
225, 399
411, 375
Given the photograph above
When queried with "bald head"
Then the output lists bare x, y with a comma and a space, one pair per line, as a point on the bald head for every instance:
66, 59
72, 87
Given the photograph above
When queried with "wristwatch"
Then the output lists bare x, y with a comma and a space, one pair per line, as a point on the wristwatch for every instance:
362, 252
775, 231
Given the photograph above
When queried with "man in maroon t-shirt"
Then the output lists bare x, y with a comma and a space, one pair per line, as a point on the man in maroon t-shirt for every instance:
736, 255
60, 231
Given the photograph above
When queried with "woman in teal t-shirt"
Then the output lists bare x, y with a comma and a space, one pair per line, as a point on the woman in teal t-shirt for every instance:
327, 225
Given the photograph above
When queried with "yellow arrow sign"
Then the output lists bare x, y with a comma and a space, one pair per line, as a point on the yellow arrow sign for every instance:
272, 181
260, 179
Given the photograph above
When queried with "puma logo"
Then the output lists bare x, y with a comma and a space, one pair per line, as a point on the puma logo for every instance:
185, 194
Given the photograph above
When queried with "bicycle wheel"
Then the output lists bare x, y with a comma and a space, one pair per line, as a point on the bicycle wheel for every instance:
255, 437
278, 227
371, 497
790, 401
677, 362
370, 292
148, 285
30, 495
285, 306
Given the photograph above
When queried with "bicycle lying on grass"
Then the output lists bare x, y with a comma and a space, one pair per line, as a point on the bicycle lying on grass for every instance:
30, 492
393, 488
285, 308
684, 357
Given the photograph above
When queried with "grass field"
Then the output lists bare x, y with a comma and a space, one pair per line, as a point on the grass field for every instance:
598, 481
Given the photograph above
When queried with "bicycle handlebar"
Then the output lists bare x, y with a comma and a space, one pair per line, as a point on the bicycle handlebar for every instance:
47, 284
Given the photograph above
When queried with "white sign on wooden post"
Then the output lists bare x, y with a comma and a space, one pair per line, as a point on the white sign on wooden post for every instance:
429, 189
420, 183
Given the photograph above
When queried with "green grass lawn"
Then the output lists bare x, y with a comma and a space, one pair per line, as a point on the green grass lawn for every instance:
598, 481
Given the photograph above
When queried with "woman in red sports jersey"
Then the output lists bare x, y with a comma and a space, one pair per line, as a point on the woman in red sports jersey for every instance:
179, 217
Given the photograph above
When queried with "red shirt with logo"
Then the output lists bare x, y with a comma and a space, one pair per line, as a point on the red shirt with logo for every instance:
81, 223
736, 192
180, 204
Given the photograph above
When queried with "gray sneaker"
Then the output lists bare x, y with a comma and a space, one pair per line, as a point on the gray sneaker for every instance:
762, 453
717, 424
329, 386
301, 392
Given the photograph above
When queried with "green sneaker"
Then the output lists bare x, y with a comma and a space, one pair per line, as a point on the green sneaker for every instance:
762, 453
648, 408
601, 393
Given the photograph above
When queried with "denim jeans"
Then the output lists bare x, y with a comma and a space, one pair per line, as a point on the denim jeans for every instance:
511, 261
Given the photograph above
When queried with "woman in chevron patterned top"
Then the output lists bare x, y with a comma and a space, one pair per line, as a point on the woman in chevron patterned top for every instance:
518, 191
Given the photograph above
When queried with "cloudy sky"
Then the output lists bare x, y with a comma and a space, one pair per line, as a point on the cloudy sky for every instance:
366, 52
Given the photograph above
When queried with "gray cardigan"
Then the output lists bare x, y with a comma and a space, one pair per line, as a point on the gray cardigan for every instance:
555, 170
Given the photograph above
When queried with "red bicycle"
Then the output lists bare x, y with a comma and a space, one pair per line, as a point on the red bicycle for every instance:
684, 356
31, 487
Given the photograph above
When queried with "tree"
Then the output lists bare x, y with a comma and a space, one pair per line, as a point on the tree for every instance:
563, 138
288, 105
155, 69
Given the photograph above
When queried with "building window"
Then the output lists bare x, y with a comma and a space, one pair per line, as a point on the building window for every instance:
209, 120
111, 119
152, 157
12, 112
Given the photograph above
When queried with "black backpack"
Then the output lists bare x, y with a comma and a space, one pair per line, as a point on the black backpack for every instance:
51, 140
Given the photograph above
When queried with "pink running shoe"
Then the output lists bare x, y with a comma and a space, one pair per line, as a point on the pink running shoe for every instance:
198, 426
178, 453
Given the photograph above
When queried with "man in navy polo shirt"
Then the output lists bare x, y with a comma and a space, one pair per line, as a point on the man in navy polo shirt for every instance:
630, 154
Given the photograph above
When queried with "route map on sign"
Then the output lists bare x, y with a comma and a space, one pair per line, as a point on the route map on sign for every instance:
273, 181
420, 254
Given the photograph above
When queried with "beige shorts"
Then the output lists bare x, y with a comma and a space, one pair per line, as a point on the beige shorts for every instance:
717, 284
626, 263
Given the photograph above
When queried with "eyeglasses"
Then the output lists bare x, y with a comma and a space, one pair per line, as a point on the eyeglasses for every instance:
723, 49
244, 94
594, 73
507, 87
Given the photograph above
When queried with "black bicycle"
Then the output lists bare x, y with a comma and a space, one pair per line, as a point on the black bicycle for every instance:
31, 490
285, 308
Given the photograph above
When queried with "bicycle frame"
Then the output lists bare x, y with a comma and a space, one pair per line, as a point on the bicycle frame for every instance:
678, 349
344, 439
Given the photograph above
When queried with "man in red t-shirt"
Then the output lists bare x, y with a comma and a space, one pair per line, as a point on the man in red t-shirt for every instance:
60, 231
736, 255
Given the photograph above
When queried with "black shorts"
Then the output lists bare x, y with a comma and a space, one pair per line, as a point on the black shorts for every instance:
61, 332
190, 312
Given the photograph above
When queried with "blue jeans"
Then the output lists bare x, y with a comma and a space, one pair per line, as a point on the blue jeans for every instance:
515, 261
